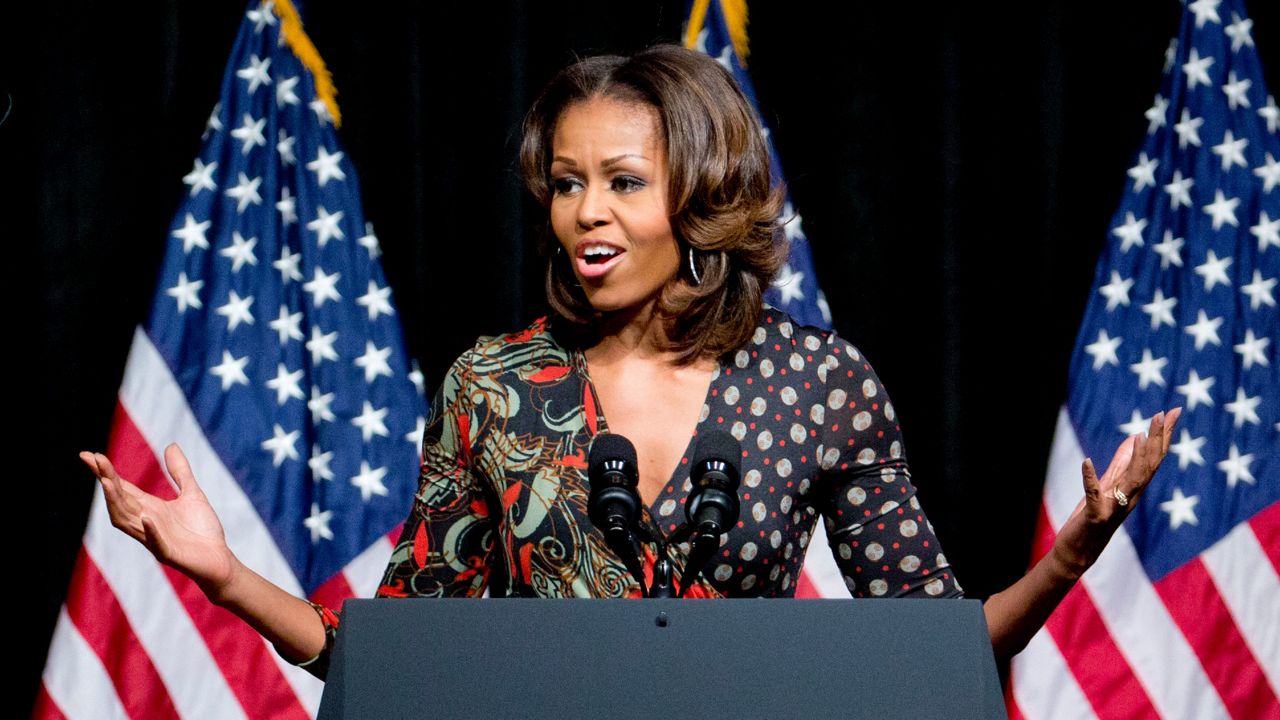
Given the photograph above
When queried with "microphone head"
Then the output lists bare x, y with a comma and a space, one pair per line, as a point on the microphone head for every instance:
611, 451
714, 474
718, 445
613, 503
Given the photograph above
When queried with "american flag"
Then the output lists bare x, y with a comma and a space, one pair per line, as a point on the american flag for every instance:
795, 289
1179, 616
711, 27
273, 355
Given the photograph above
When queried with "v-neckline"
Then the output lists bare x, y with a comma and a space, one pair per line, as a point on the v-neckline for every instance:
602, 426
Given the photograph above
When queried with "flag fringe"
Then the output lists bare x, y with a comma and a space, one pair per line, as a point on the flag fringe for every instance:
735, 16
296, 38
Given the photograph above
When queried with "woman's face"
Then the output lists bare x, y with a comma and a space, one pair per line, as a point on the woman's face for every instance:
609, 202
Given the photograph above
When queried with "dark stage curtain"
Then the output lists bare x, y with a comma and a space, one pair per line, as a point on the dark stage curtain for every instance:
956, 170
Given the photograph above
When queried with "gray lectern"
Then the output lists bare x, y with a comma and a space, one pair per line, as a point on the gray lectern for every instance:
662, 658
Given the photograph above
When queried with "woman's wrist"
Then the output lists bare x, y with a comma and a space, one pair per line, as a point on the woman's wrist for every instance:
223, 593
1067, 564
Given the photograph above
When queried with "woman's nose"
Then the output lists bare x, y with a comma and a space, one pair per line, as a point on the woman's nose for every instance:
593, 207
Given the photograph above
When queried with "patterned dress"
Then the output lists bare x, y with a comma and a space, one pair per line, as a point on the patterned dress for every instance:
502, 499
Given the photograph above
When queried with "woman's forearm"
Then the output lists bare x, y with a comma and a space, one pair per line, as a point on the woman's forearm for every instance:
1016, 613
287, 621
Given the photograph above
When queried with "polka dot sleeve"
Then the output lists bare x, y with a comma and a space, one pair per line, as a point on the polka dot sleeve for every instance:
882, 542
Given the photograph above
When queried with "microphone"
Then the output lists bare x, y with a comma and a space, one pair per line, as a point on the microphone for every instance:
613, 504
713, 506
713, 503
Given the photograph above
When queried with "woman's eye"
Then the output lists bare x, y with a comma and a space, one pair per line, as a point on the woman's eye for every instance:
626, 183
564, 185
619, 184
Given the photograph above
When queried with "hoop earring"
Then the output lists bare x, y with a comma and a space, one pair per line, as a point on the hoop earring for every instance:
697, 279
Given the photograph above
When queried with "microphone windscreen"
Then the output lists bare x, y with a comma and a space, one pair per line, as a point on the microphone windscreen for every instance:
717, 445
612, 446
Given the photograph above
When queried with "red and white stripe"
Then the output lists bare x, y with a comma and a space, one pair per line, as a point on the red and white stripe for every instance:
139, 640
1200, 643
820, 576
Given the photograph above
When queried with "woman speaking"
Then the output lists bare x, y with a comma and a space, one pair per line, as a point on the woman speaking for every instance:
662, 235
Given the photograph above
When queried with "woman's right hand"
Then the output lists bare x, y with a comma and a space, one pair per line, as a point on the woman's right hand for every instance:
183, 533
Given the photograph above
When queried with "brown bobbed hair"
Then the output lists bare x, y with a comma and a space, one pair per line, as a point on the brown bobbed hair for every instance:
720, 196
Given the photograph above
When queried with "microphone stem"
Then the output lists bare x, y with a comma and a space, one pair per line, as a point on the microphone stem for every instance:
704, 547
662, 572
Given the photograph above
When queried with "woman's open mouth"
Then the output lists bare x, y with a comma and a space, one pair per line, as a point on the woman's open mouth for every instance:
595, 259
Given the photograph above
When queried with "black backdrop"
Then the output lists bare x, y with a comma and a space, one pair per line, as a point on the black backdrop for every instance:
956, 170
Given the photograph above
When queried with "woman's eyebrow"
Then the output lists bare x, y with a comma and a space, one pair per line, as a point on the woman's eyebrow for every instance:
619, 158
606, 163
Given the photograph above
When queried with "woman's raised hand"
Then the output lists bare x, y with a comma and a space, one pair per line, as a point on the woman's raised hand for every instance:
183, 533
1015, 614
1108, 501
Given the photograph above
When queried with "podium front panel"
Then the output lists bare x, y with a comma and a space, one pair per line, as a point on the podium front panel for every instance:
514, 658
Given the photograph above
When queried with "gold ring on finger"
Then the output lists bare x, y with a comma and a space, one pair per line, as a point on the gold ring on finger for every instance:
1121, 498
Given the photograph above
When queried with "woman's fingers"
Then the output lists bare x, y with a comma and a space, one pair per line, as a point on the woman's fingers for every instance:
1166, 433
152, 538
105, 468
1170, 420
1149, 452
180, 470
1133, 482
1154, 442
1119, 465
96, 467
1092, 489
108, 486
126, 502
88, 459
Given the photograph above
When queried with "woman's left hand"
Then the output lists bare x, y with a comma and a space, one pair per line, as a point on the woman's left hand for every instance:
1107, 502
